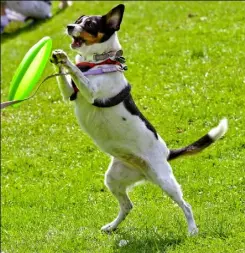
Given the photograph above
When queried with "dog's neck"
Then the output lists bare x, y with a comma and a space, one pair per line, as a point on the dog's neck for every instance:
86, 53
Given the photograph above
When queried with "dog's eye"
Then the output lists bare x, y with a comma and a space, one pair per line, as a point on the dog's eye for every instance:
89, 23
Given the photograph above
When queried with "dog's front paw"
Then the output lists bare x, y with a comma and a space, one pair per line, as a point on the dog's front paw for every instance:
58, 57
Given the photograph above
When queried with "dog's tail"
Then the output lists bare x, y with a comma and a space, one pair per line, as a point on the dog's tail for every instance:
213, 135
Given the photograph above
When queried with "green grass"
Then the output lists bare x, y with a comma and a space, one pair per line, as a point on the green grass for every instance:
187, 73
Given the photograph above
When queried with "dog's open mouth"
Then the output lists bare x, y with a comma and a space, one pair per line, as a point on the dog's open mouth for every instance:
77, 42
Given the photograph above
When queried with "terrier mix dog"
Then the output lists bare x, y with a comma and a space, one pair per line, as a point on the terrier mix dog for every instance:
106, 111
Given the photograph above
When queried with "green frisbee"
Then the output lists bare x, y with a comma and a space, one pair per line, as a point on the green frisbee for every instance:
30, 70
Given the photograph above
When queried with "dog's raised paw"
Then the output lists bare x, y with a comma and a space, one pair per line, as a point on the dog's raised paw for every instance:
58, 57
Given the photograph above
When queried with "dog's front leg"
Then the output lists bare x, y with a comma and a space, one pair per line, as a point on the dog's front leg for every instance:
60, 58
64, 83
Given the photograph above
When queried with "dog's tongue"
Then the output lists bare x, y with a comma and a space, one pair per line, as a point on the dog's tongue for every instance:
76, 43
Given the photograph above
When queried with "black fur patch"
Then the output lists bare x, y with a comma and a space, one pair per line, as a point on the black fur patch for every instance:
193, 148
92, 25
133, 109
174, 153
202, 143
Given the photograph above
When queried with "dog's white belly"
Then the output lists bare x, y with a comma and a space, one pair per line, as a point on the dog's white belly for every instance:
119, 133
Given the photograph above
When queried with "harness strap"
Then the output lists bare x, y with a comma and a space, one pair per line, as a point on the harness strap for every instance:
86, 68
120, 97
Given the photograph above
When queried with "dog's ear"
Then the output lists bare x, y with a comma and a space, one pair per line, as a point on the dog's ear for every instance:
114, 17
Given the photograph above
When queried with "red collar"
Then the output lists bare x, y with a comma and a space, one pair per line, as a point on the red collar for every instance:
90, 65
85, 66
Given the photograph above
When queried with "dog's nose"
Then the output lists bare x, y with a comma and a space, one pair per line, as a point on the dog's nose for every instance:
70, 28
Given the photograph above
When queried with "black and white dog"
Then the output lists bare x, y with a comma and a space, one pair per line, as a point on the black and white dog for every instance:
106, 111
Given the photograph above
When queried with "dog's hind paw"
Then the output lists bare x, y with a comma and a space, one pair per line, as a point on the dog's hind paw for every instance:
58, 57
109, 227
193, 231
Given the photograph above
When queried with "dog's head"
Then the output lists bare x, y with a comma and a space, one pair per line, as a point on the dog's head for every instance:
90, 32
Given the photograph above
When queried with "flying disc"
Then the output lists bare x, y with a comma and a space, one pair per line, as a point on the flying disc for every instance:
30, 69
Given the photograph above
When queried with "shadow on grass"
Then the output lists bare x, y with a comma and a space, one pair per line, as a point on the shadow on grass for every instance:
29, 25
147, 240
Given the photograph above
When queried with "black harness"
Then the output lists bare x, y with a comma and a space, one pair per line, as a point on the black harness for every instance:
117, 99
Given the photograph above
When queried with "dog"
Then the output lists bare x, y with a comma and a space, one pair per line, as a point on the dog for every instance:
107, 112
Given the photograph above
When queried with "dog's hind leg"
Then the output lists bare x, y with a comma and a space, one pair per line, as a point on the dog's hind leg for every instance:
118, 178
162, 175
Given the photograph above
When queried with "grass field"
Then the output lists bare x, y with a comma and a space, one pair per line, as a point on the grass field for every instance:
186, 64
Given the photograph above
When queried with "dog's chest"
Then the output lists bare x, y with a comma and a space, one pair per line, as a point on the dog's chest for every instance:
115, 130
